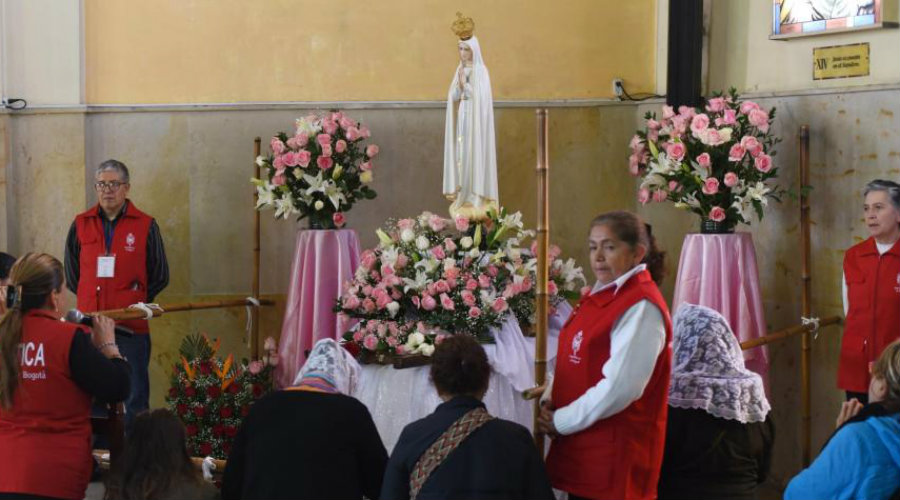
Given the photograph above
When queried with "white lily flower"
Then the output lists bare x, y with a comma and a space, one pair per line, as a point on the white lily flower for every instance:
428, 265
758, 192
334, 193
266, 196
390, 255
261, 161
285, 207
417, 284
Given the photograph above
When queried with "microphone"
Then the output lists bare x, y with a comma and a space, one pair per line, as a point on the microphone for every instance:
78, 317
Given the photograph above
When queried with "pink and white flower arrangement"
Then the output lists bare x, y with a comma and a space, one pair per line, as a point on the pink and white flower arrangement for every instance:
431, 276
319, 172
715, 161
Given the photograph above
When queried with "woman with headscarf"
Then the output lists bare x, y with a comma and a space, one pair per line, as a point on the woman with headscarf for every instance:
719, 435
311, 440
470, 156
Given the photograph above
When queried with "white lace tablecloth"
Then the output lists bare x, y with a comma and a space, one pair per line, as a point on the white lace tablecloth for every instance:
396, 398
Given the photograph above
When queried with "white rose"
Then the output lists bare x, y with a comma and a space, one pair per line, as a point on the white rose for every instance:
466, 242
319, 205
415, 339
475, 253
449, 263
422, 243
514, 253
427, 349
407, 235
393, 307
298, 173
365, 177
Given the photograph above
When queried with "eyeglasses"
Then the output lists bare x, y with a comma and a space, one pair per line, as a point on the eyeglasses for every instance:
109, 186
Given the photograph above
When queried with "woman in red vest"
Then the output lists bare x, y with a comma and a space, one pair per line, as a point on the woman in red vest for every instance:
607, 406
871, 289
49, 370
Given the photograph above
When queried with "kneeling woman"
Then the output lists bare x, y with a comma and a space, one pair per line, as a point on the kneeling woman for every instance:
607, 407
49, 370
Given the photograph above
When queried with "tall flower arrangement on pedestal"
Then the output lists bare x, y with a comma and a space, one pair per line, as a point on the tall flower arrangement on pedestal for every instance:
715, 161
212, 396
430, 277
319, 172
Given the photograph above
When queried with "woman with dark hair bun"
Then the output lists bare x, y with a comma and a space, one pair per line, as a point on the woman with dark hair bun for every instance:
461, 451
606, 407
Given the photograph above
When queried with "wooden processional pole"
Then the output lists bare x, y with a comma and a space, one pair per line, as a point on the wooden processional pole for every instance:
542, 297
807, 288
254, 334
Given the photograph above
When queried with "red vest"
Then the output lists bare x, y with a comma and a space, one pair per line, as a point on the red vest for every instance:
873, 315
619, 456
129, 246
45, 438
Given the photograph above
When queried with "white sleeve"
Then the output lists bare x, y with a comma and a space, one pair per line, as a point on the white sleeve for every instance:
636, 341
844, 293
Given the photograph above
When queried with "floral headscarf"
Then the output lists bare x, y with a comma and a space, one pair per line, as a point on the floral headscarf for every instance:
708, 370
332, 363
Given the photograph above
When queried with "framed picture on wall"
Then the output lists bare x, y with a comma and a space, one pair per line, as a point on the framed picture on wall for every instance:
797, 18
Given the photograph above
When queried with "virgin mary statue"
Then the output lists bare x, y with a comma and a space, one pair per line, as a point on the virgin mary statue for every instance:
470, 157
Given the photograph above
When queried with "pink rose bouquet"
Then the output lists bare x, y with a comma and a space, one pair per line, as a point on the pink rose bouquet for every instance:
432, 276
319, 172
715, 161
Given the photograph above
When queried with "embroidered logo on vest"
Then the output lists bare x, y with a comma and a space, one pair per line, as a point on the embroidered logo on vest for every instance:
129, 242
576, 345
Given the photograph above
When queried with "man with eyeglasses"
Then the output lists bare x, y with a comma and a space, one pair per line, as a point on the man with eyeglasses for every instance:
115, 258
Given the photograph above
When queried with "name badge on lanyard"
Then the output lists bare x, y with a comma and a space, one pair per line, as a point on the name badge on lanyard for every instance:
106, 266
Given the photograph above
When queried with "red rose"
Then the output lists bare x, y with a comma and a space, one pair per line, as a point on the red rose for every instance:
257, 390
191, 430
206, 368
231, 431
234, 388
226, 447
245, 409
181, 408
213, 391
226, 412
173, 392
218, 429
352, 348
190, 392
205, 449
199, 411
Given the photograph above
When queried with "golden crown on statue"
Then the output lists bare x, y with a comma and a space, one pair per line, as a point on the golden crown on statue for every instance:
463, 27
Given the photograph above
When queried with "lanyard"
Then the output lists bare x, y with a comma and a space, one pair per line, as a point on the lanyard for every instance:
109, 227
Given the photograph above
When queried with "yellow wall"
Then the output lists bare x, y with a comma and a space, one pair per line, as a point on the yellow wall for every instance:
278, 50
741, 54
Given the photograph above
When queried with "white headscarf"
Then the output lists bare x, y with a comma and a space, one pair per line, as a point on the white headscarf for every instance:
333, 363
708, 370
482, 147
